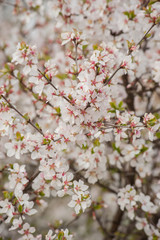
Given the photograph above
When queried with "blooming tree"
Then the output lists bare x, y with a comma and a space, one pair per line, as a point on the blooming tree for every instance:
80, 119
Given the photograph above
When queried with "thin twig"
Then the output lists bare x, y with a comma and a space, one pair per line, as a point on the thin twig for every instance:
50, 83
76, 55
106, 233
145, 35
39, 99
28, 121
129, 53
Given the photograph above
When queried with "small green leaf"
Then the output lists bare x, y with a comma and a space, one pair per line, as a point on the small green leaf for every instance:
84, 47
60, 235
157, 20
113, 105
62, 76
120, 104
130, 14
14, 201
20, 208
97, 206
96, 142
58, 110
37, 126
154, 237
46, 141
157, 115
148, 10
26, 117
6, 194
41, 193
70, 97
92, 151
148, 35
10, 195
112, 111
95, 46
84, 147
152, 2
36, 96
19, 137
158, 135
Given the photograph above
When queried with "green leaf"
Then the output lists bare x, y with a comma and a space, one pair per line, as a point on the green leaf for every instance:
152, 2
158, 135
46, 141
35, 95
157, 115
148, 35
19, 75
96, 142
60, 235
113, 105
95, 46
84, 47
62, 76
112, 111
20, 208
6, 194
19, 137
120, 104
143, 149
154, 237
92, 151
157, 20
130, 14
41, 193
97, 206
37, 126
84, 147
57, 223
70, 97
14, 201
58, 110
10, 195
148, 10
26, 117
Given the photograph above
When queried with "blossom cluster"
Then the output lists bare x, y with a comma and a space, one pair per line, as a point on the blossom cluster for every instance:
80, 119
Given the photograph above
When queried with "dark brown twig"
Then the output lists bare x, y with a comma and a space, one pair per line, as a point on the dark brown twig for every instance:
129, 53
17, 111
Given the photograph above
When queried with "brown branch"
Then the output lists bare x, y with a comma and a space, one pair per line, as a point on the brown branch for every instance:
39, 99
50, 83
129, 53
110, 78
17, 111
145, 34
76, 55
117, 220
28, 120
78, 175
30, 181
130, 95
106, 233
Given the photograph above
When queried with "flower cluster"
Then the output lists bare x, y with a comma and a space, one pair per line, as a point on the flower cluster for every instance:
26, 56
79, 119
128, 198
